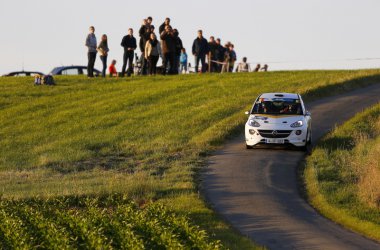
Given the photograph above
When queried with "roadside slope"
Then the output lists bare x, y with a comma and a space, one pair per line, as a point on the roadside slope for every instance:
342, 176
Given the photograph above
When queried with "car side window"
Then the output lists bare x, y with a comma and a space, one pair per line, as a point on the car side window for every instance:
70, 72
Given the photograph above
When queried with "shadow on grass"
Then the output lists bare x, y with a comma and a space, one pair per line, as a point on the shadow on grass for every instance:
106, 162
341, 87
344, 143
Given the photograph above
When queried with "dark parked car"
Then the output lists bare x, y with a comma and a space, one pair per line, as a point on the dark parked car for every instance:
24, 73
72, 71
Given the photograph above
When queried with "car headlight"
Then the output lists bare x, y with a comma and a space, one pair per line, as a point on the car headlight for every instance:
297, 124
253, 123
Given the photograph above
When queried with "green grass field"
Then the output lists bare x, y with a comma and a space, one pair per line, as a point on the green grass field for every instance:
145, 139
343, 174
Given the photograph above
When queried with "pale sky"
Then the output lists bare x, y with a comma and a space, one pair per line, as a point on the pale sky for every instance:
291, 34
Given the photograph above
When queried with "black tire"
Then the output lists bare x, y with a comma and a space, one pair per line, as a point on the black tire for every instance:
307, 147
248, 147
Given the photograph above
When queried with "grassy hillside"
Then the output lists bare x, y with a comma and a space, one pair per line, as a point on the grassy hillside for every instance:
343, 174
143, 138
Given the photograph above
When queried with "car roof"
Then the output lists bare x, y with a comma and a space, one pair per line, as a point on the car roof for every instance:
71, 66
279, 95
23, 72
60, 68
68, 67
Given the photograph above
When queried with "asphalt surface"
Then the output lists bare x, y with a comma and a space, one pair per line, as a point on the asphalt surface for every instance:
256, 190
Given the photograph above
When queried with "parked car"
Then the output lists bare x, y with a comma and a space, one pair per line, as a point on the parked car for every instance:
24, 73
278, 118
72, 70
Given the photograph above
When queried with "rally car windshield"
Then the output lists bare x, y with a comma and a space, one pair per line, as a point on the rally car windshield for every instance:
278, 106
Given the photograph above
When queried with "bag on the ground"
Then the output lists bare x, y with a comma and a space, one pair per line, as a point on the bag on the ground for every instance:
48, 80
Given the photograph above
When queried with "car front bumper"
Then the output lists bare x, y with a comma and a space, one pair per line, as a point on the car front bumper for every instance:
255, 136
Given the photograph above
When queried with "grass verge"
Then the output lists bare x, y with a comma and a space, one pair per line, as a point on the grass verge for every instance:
343, 174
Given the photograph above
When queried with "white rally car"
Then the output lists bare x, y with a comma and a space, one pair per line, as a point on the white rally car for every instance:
278, 118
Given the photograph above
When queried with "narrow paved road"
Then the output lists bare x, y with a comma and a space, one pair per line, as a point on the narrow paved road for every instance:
256, 190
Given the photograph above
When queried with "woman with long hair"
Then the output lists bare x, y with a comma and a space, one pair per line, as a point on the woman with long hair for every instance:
152, 53
103, 52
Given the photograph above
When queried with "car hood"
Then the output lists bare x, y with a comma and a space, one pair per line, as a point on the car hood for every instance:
281, 120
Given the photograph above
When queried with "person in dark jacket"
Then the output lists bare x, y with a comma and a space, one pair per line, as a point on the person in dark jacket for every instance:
257, 69
178, 50
213, 46
200, 50
149, 20
265, 68
232, 58
162, 26
227, 57
219, 54
129, 44
168, 49
144, 32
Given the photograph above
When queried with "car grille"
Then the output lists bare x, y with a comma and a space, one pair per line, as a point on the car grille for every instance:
274, 133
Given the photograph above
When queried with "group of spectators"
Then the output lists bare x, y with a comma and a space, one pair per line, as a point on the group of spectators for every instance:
167, 45
169, 48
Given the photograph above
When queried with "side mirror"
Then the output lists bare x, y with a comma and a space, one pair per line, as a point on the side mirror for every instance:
308, 113
247, 112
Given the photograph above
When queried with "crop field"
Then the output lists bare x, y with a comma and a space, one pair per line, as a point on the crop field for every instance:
343, 174
85, 223
89, 161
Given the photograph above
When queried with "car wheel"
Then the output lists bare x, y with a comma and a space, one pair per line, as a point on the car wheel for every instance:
310, 139
248, 147
307, 147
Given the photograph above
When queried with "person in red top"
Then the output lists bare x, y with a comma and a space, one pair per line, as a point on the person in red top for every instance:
112, 69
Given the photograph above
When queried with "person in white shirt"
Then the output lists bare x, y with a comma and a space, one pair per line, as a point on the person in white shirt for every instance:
243, 66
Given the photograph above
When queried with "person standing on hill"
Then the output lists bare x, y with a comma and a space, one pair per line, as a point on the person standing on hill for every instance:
232, 58
144, 33
162, 26
213, 46
227, 58
168, 49
129, 45
200, 50
149, 20
183, 61
243, 66
152, 53
91, 55
219, 54
103, 51
178, 49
